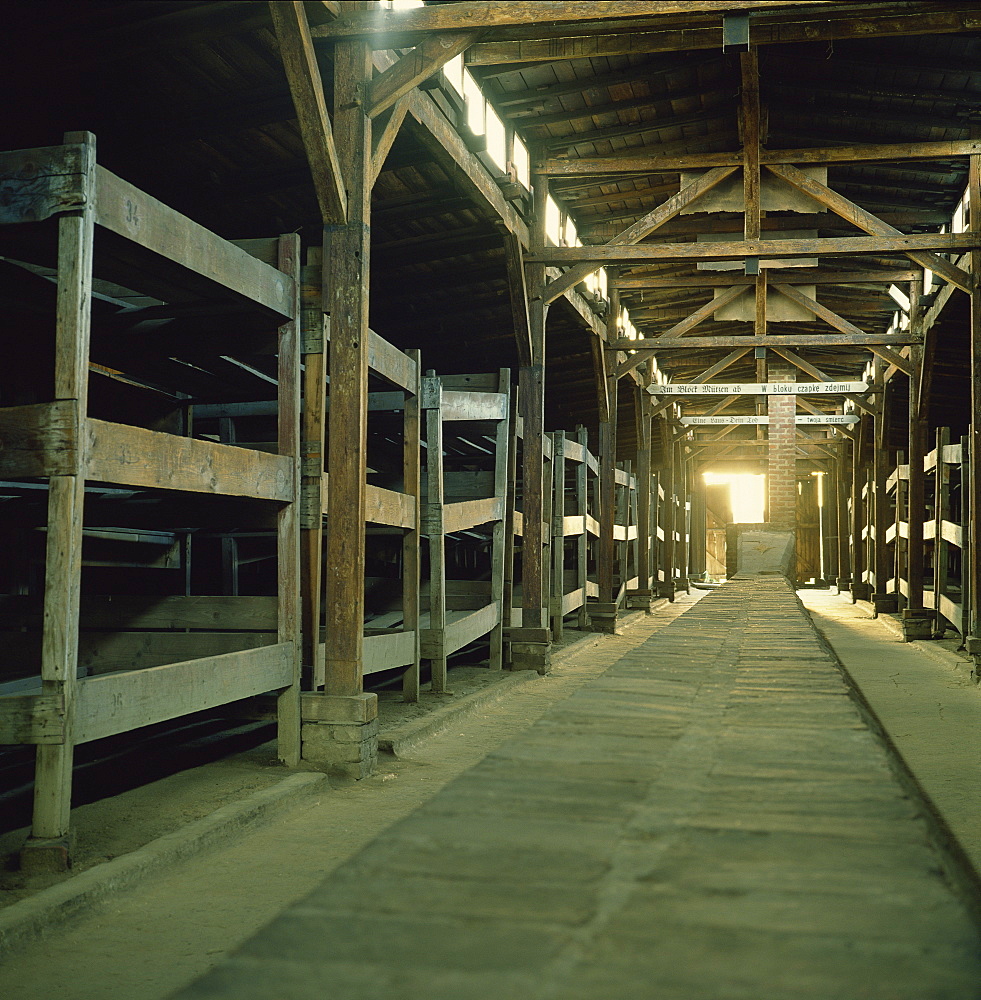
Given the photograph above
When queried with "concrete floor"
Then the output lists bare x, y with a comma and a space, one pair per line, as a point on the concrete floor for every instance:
694, 809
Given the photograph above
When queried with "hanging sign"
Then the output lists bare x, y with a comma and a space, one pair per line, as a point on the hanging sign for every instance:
836, 420
757, 388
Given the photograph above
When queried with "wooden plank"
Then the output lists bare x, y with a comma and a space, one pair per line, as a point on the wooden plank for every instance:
471, 514
573, 525
973, 464
502, 536
131, 213
388, 361
145, 697
863, 219
307, 89
737, 250
643, 227
648, 164
289, 610
416, 66
386, 652
771, 340
134, 456
547, 17
471, 627
557, 540
39, 440
385, 134
897, 19
36, 184
802, 276
398, 510
474, 405
411, 557
751, 131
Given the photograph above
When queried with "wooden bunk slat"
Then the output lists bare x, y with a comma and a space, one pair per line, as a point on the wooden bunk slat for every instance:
471, 513
398, 510
474, 405
32, 718
385, 652
144, 697
38, 440
388, 361
124, 209
134, 456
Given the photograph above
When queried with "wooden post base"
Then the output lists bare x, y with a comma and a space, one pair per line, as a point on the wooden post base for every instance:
885, 604
339, 734
531, 656
39, 856
844, 584
861, 592
918, 623
640, 600
603, 618
666, 590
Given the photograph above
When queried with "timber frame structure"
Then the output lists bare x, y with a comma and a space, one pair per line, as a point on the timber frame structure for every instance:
681, 236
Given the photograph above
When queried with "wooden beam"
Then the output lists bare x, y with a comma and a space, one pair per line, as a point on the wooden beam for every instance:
847, 209
303, 73
648, 164
738, 250
427, 58
880, 21
680, 329
643, 227
749, 64
666, 343
548, 18
815, 372
805, 276
518, 293
383, 137
893, 357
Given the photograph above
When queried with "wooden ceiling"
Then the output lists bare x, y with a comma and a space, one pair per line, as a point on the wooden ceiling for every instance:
190, 101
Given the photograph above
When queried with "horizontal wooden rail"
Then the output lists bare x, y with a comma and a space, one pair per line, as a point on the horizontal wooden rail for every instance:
397, 510
388, 361
471, 513
474, 405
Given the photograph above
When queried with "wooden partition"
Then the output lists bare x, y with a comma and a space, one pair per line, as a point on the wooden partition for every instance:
467, 432
154, 308
574, 528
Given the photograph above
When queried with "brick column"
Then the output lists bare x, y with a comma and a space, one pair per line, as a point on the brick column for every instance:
782, 477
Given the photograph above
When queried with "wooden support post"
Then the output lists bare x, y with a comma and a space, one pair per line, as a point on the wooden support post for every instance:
499, 543
859, 586
312, 467
558, 533
967, 569
883, 601
972, 552
532, 401
917, 620
670, 476
582, 543
645, 591
432, 399
941, 513
346, 260
49, 847
412, 485
288, 520
841, 498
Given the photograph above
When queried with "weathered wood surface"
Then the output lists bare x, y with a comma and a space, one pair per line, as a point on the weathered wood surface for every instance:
36, 184
459, 629
398, 510
388, 361
306, 86
471, 513
39, 440
737, 250
133, 214
33, 719
385, 652
801, 276
134, 456
144, 697
474, 405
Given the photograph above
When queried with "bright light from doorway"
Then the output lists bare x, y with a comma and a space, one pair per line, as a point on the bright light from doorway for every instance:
747, 495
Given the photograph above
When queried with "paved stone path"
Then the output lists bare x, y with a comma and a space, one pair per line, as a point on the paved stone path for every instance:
708, 819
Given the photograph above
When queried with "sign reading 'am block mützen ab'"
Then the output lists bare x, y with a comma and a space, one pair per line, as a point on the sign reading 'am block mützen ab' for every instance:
832, 420
757, 388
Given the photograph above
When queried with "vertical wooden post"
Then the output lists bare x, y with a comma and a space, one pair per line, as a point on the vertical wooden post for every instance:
531, 381
312, 466
967, 570
412, 486
558, 533
49, 847
685, 511
972, 552
857, 520
288, 522
582, 510
670, 522
499, 543
347, 259
432, 402
644, 458
941, 513
608, 462
882, 600
917, 620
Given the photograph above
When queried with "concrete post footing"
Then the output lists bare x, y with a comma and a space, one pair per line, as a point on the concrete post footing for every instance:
918, 623
44, 856
339, 734
531, 656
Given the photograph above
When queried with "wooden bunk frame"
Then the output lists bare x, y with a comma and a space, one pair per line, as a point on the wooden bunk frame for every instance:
144, 245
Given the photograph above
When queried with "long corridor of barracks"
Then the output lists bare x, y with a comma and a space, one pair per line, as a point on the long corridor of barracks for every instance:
385, 387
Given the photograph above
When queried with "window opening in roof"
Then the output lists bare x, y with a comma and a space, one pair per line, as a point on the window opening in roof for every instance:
496, 138
475, 104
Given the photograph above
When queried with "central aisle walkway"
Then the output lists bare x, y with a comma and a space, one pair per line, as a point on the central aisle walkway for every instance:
710, 818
